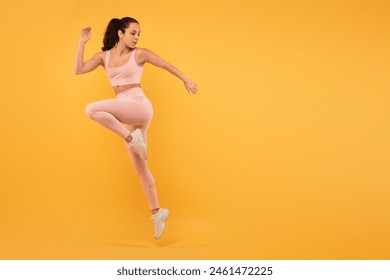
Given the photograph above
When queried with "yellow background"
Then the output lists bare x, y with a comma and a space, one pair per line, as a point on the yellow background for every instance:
283, 154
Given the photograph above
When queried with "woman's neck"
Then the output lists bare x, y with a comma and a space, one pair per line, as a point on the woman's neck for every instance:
120, 49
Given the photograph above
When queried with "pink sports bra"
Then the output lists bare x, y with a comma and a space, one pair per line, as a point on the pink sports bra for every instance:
128, 73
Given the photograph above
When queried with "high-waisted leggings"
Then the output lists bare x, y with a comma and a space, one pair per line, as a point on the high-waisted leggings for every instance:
130, 109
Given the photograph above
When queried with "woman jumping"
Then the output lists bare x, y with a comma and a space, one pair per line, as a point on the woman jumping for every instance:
128, 114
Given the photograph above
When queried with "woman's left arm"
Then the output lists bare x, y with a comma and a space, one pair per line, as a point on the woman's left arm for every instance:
148, 56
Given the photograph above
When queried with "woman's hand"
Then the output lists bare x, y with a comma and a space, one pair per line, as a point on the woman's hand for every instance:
85, 34
190, 86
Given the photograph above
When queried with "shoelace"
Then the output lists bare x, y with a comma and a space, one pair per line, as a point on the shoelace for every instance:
154, 219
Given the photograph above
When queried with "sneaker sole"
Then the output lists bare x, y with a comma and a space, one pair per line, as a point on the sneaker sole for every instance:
164, 225
142, 155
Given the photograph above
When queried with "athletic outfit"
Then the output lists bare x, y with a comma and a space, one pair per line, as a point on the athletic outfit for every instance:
128, 73
132, 111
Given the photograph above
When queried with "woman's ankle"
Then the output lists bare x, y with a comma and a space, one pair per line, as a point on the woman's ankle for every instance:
129, 138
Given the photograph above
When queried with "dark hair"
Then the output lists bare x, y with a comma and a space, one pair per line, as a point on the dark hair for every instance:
111, 35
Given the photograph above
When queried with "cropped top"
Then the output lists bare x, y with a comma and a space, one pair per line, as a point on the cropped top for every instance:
128, 73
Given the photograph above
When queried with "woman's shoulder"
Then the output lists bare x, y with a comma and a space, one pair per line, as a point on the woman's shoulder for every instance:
100, 56
141, 51
140, 55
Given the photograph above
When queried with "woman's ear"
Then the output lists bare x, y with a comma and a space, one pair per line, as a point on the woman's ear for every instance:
120, 34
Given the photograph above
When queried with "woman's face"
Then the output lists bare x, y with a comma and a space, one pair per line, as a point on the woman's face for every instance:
131, 35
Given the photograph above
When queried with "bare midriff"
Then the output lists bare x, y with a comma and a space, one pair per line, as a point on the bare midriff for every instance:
121, 88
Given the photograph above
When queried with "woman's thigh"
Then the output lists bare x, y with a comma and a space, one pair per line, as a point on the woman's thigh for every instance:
126, 110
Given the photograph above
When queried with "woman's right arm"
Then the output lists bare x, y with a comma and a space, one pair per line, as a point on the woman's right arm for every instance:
80, 66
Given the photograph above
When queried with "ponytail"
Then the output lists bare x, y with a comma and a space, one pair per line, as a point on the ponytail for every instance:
111, 37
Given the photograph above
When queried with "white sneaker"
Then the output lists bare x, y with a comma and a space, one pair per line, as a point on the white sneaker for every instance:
159, 222
138, 144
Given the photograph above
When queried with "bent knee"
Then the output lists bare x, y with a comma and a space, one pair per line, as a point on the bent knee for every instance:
90, 110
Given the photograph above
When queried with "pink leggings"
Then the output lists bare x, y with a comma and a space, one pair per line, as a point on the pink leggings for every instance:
130, 109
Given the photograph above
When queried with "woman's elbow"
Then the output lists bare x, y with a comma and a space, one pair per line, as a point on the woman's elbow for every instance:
78, 71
